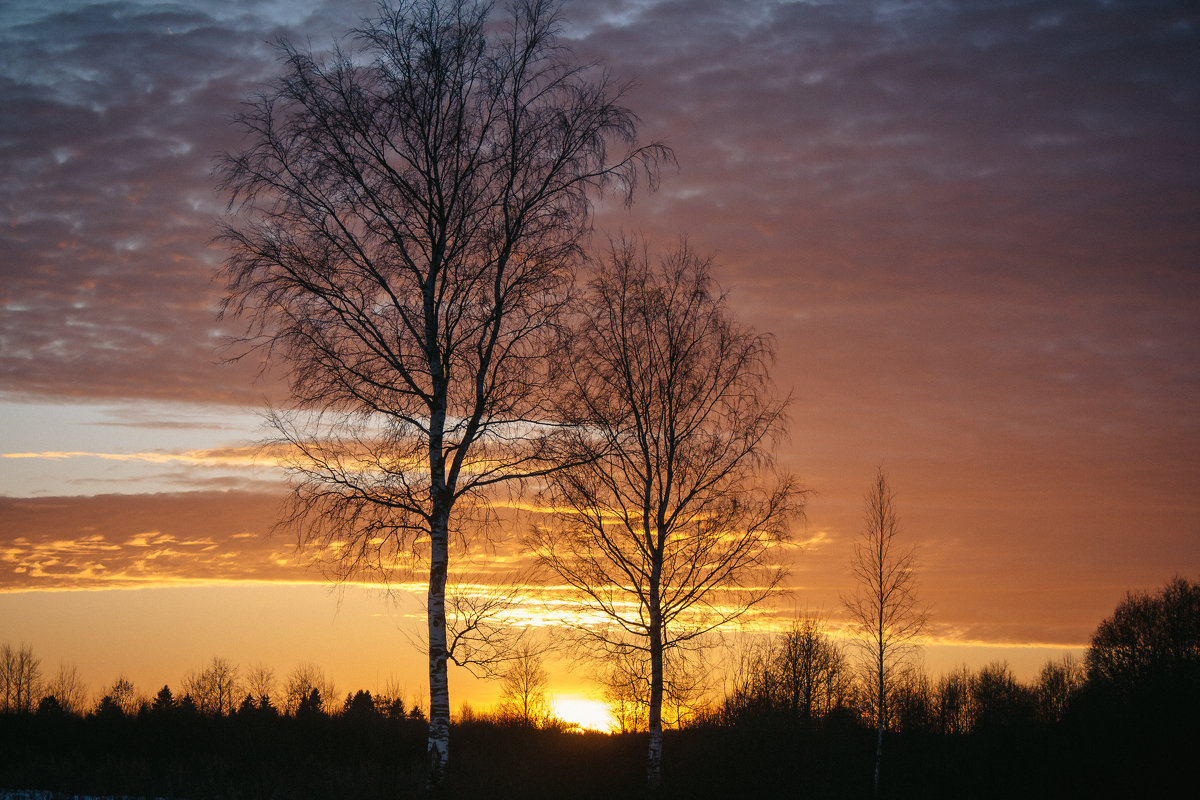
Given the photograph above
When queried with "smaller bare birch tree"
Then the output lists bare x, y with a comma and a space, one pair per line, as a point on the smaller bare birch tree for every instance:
884, 608
665, 513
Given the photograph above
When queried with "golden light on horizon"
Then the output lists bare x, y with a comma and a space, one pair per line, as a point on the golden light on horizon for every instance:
588, 714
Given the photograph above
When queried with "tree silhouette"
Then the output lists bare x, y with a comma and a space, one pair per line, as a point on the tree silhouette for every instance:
955, 713
912, 706
884, 606
359, 705
214, 688
302, 682
68, 688
187, 706
661, 521
108, 708
49, 706
801, 674
124, 696
523, 688
998, 700
408, 218
164, 701
259, 681
20, 679
626, 686
1149, 649
311, 705
813, 677
1058, 683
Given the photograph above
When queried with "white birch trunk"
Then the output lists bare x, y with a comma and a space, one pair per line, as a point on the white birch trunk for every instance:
439, 688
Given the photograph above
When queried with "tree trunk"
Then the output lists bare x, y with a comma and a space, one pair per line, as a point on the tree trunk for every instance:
439, 688
878, 758
880, 716
441, 502
654, 722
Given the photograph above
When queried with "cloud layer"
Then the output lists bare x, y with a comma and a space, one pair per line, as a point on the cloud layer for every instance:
120, 541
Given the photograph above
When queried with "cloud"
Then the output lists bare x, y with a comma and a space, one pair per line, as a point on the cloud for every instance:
114, 112
224, 457
128, 540
124, 541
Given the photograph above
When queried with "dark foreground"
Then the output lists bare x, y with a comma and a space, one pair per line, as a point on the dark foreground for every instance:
247, 756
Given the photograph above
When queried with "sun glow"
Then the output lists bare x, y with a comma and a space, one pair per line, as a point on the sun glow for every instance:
591, 715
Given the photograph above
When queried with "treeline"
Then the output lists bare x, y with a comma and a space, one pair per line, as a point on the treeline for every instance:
793, 721
219, 688
805, 676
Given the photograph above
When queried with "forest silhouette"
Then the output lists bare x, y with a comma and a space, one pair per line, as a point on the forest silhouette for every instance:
796, 720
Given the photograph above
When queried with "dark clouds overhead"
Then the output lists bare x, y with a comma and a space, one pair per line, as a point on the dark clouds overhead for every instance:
1034, 163
112, 115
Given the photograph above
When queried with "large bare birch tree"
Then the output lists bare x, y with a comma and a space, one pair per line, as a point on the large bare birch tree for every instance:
664, 520
406, 215
884, 607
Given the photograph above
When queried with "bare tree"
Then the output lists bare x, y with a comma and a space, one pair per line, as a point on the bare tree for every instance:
801, 673
1150, 647
523, 688
661, 521
955, 707
215, 689
301, 683
998, 699
812, 670
409, 216
124, 696
626, 691
884, 607
911, 706
1057, 685
68, 688
20, 678
260, 683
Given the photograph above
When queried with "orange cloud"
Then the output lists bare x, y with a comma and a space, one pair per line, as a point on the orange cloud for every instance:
110, 541
220, 457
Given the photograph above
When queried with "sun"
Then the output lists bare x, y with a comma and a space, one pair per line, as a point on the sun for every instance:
588, 714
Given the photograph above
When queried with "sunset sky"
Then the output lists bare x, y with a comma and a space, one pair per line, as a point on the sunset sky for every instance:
972, 227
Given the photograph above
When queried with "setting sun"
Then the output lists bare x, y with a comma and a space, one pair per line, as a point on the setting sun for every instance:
590, 715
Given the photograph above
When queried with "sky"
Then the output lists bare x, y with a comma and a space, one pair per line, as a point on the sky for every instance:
971, 227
